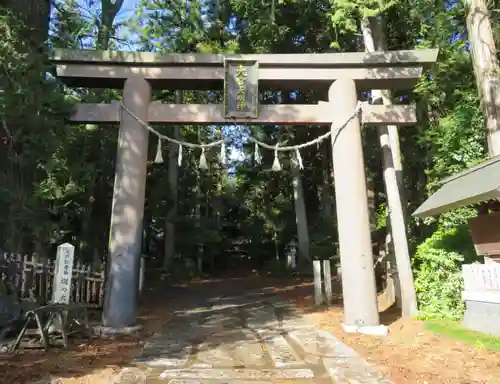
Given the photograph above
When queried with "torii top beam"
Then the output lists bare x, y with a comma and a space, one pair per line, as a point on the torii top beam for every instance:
376, 70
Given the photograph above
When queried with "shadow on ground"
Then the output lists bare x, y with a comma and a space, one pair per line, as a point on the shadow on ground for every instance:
98, 360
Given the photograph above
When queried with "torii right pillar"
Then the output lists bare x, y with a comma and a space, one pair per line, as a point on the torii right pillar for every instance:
353, 222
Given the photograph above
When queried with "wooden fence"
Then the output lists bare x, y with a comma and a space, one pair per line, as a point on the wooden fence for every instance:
481, 282
30, 278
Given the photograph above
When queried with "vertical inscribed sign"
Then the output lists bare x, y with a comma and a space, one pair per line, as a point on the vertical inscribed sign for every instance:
241, 89
61, 290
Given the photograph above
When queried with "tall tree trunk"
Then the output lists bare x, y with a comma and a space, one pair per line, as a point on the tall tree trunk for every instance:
300, 214
89, 244
484, 59
199, 253
173, 175
109, 10
375, 41
370, 189
217, 203
325, 191
36, 15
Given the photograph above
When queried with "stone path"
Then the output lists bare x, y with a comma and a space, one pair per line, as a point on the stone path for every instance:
242, 340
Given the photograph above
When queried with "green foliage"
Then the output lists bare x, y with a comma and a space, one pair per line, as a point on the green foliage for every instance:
345, 15
48, 195
324, 240
381, 216
455, 332
32, 113
437, 266
449, 137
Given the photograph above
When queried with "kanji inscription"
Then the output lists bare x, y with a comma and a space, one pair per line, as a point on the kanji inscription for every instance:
241, 89
61, 291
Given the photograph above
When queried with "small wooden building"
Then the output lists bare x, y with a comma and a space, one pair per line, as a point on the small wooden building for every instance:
477, 185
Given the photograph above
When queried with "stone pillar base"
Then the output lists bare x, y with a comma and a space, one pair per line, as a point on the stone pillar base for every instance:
482, 317
375, 330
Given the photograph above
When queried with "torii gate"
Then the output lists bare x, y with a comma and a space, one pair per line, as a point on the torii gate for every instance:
343, 74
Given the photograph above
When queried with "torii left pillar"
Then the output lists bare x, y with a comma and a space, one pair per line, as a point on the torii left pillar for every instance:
127, 212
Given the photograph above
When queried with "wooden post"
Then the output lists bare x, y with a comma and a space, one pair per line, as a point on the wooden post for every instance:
353, 222
327, 280
318, 294
120, 302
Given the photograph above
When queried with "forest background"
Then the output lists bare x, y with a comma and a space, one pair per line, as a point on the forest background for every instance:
56, 179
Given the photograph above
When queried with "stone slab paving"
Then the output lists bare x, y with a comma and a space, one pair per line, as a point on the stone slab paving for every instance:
246, 341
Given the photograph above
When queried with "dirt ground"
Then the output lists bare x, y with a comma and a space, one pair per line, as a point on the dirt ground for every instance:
89, 362
409, 354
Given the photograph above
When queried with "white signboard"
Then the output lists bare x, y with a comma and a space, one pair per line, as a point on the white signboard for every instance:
61, 290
